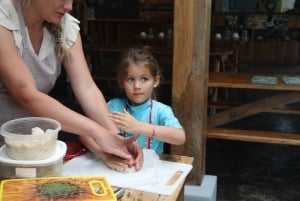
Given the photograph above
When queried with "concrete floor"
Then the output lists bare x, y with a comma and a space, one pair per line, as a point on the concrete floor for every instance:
254, 171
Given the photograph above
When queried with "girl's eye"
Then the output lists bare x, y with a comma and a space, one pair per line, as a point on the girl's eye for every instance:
129, 79
144, 79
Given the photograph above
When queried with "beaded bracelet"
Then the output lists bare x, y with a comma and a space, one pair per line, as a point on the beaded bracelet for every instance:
153, 132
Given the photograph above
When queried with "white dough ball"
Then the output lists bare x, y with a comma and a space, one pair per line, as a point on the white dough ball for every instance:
37, 131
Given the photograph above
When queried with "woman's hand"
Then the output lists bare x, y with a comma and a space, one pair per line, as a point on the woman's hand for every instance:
120, 164
112, 144
136, 151
114, 161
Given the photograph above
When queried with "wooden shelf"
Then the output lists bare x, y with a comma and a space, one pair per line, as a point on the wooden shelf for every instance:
126, 20
120, 49
111, 78
110, 37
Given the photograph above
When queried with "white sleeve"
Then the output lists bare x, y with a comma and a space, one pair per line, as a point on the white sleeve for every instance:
9, 19
70, 30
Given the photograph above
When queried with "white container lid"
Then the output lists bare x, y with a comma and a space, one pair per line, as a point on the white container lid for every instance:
60, 152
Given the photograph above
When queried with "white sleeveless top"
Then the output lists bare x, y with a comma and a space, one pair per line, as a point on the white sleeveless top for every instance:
45, 66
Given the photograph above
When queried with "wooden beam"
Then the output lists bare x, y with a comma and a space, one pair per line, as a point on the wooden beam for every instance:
190, 75
252, 108
253, 136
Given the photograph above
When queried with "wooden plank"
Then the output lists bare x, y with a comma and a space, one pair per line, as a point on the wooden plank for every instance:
190, 75
243, 80
251, 108
253, 136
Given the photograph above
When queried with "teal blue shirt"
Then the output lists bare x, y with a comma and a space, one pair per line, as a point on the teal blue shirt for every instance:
161, 115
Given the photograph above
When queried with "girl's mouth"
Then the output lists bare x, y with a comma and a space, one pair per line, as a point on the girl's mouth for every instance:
138, 94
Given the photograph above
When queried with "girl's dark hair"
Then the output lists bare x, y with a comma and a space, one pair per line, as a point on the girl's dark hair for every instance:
138, 56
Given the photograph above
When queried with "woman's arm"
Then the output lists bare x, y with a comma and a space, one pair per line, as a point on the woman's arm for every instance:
18, 80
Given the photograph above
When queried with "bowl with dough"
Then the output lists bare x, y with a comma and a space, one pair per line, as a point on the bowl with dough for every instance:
30, 138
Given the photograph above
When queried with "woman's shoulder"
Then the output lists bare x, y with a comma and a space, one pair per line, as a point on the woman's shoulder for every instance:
68, 18
70, 29
8, 15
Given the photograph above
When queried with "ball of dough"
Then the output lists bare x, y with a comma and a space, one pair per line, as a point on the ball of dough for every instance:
37, 131
126, 170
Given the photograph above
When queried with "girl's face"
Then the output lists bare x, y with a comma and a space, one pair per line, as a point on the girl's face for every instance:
139, 83
51, 11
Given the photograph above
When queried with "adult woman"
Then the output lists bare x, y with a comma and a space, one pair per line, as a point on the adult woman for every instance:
36, 37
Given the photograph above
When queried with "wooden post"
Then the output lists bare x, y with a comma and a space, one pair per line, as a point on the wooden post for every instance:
190, 76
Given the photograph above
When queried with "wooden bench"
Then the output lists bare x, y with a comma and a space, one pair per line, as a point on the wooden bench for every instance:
243, 81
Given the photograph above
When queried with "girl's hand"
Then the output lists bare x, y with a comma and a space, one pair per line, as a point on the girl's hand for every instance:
125, 121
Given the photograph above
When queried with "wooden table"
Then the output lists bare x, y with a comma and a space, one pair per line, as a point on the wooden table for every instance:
131, 195
268, 104
218, 56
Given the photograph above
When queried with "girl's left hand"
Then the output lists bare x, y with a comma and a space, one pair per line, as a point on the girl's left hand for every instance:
125, 121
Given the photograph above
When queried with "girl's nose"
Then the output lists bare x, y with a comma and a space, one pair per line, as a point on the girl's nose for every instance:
136, 84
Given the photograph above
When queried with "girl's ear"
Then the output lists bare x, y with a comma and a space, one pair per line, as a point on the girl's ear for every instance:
156, 81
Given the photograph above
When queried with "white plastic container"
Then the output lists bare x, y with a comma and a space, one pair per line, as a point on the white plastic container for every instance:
24, 144
52, 166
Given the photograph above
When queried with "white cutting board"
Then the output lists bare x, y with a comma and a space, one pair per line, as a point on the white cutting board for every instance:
153, 177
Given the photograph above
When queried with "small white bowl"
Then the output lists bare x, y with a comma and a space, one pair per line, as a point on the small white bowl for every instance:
22, 144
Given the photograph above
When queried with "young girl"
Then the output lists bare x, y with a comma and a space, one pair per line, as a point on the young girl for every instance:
138, 75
